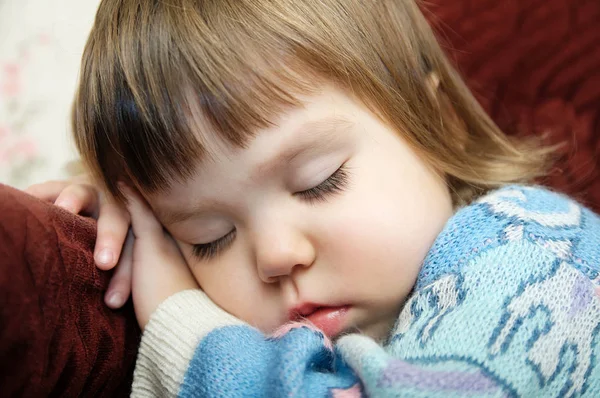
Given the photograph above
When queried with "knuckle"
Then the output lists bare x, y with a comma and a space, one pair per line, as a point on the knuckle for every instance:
81, 192
77, 189
113, 225
33, 189
81, 179
41, 187
68, 197
109, 239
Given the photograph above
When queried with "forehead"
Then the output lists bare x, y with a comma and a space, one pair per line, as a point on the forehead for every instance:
315, 119
316, 126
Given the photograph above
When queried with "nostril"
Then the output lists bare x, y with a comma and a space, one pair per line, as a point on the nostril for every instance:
269, 279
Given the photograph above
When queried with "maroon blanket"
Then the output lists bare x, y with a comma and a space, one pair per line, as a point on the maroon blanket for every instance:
534, 64
56, 336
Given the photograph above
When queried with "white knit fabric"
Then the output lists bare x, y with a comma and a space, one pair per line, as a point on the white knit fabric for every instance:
168, 344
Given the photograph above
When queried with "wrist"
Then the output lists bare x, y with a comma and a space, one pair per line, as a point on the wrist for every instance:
171, 337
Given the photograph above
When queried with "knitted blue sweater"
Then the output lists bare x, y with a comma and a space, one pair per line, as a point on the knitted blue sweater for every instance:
506, 304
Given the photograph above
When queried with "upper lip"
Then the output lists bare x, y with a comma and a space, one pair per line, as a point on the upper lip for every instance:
303, 310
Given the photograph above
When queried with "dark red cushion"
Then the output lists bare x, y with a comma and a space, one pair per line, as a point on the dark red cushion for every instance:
535, 65
57, 338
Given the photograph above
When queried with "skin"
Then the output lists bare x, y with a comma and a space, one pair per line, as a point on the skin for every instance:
362, 245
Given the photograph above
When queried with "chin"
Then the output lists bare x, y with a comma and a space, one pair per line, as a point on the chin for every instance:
379, 332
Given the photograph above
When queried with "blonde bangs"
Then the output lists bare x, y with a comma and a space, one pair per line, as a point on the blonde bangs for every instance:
160, 80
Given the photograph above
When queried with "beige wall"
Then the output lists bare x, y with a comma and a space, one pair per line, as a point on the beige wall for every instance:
40, 48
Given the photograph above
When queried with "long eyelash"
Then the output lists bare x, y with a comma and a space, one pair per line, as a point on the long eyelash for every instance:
336, 183
206, 251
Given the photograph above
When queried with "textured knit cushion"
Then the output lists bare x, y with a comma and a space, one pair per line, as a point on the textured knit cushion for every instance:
535, 65
57, 337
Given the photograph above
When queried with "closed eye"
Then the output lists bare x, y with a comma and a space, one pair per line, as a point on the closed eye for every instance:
207, 251
334, 184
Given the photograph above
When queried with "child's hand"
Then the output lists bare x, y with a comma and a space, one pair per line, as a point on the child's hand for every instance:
159, 269
79, 196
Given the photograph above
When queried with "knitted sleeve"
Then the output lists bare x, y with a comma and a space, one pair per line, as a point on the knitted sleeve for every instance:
192, 348
170, 340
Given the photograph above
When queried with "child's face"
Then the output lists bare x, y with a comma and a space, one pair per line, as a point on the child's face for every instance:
354, 244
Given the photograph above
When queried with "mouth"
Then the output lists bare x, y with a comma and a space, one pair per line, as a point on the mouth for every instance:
331, 320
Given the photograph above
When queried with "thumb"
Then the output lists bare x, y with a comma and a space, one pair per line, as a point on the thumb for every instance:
159, 269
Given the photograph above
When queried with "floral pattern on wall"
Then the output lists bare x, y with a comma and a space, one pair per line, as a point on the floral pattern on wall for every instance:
20, 154
40, 51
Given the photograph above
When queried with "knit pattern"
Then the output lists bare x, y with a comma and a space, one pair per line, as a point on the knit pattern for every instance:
506, 305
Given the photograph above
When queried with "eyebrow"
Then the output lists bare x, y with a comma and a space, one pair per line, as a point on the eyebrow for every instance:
316, 136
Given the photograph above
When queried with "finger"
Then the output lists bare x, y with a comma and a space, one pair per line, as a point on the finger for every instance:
78, 198
48, 191
113, 224
119, 288
143, 221
159, 271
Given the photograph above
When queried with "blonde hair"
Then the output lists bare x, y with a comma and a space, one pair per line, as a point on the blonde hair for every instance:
149, 65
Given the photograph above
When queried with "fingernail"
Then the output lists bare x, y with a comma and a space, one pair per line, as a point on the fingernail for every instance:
105, 257
115, 300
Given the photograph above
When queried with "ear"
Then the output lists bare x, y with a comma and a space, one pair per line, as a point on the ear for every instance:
433, 83
451, 118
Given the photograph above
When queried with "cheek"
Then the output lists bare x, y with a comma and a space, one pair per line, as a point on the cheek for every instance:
379, 236
235, 287
372, 251
384, 224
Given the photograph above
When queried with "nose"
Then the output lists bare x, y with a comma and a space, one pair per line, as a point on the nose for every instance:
281, 249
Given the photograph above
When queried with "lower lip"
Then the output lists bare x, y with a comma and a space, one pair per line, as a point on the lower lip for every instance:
331, 320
